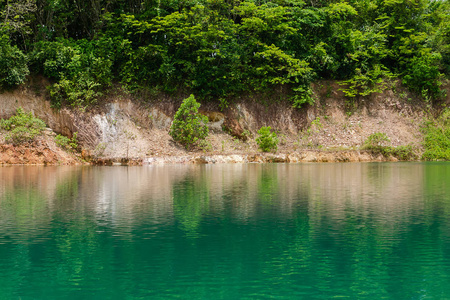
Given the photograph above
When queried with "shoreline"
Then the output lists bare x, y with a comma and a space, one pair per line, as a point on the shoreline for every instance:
306, 156
303, 156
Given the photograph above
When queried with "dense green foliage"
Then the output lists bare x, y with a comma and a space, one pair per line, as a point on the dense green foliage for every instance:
189, 127
23, 127
13, 64
437, 138
81, 70
267, 140
221, 48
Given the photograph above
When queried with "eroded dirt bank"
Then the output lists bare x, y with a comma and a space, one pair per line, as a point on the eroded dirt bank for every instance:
43, 151
122, 130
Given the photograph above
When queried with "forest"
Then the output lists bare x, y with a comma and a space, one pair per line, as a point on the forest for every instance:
218, 49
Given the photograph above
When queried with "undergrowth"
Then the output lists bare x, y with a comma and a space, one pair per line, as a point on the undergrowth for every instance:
380, 143
22, 127
67, 143
437, 138
267, 140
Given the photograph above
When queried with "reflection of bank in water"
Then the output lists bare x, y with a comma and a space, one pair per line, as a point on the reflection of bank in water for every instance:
188, 194
320, 230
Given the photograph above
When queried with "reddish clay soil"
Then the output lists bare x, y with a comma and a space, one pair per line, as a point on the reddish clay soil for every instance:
42, 151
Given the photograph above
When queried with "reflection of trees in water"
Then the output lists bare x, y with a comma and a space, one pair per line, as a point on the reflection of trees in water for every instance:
359, 238
326, 226
268, 186
126, 197
190, 202
28, 199
132, 195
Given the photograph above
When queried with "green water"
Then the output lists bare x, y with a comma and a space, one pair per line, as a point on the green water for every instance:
280, 231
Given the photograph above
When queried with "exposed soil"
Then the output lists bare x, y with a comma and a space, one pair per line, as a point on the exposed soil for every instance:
122, 130
345, 124
42, 151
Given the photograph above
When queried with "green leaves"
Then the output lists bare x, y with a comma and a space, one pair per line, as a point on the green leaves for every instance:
221, 48
365, 83
277, 67
81, 70
379, 142
423, 76
189, 127
265, 22
437, 138
341, 10
13, 64
377, 139
66, 143
267, 141
23, 127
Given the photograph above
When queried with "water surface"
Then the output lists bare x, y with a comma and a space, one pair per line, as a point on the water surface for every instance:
279, 231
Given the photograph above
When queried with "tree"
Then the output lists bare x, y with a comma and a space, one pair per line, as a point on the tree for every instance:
16, 17
13, 64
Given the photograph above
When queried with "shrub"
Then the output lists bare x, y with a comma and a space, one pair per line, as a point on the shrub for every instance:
189, 127
437, 138
65, 142
376, 140
80, 69
378, 143
404, 152
302, 94
13, 64
366, 83
23, 127
80, 92
267, 140
423, 76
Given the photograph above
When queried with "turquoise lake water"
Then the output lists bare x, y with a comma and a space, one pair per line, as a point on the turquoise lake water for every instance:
244, 231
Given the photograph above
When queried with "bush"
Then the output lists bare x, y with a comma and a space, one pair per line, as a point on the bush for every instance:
366, 83
423, 76
189, 127
376, 140
80, 70
404, 152
80, 92
267, 140
66, 143
13, 64
437, 138
23, 127
378, 143
302, 94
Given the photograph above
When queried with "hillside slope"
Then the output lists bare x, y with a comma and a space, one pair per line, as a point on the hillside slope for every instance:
127, 129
